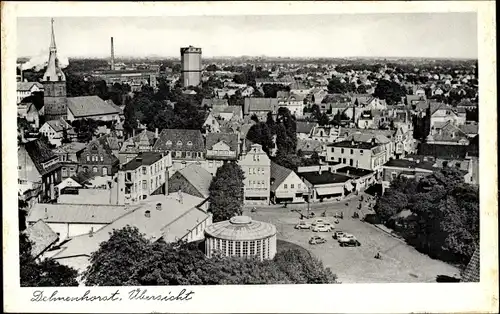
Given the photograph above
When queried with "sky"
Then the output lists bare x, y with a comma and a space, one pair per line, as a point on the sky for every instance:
434, 35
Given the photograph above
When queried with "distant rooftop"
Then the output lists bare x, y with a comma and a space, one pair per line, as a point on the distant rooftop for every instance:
325, 177
354, 144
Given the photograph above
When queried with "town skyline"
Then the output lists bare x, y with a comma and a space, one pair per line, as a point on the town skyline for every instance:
334, 36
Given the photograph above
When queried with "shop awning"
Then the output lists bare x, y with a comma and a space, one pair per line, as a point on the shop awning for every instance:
329, 190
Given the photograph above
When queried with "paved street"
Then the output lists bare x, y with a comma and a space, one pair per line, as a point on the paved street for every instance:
400, 262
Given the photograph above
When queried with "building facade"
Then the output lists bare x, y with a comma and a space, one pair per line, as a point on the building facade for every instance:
145, 175
241, 237
363, 155
256, 166
191, 66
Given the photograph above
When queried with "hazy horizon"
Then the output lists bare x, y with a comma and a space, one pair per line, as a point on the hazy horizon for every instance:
408, 35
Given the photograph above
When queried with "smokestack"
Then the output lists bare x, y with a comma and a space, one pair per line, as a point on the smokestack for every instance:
112, 55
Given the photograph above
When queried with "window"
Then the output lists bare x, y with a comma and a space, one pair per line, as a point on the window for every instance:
264, 247
343, 160
64, 172
351, 162
179, 143
144, 184
259, 248
352, 151
169, 142
224, 247
94, 169
342, 150
245, 248
151, 183
230, 248
332, 150
144, 170
300, 186
252, 248
189, 143
88, 158
177, 154
102, 158
361, 152
285, 186
104, 171
188, 154
291, 186
394, 175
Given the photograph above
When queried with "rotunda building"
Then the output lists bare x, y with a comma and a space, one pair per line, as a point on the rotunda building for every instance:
241, 236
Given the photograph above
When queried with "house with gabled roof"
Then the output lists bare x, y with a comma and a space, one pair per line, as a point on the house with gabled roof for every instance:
131, 147
441, 113
260, 107
98, 157
185, 146
26, 89
227, 113
304, 129
447, 134
220, 147
92, 107
211, 125
286, 185
193, 180
54, 130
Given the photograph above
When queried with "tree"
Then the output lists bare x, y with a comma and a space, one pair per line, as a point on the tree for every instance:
302, 267
114, 261
389, 91
212, 68
335, 86
260, 133
47, 273
444, 220
226, 192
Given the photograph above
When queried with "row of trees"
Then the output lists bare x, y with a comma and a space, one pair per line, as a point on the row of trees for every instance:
444, 220
128, 258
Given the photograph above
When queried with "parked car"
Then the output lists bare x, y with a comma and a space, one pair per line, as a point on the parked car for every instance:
318, 221
322, 228
338, 234
317, 240
348, 240
303, 225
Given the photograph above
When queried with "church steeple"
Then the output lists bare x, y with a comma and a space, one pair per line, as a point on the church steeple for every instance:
52, 38
53, 73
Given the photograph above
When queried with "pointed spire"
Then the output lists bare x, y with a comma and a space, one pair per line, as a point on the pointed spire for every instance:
53, 37
53, 73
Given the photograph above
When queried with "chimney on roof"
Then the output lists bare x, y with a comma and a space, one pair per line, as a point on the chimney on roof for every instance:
147, 214
112, 55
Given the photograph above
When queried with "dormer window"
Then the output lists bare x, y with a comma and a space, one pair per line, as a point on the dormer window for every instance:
179, 143
189, 143
169, 142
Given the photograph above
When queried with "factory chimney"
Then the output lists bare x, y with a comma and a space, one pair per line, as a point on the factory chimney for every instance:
112, 55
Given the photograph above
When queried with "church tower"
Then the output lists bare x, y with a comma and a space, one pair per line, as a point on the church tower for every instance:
54, 84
